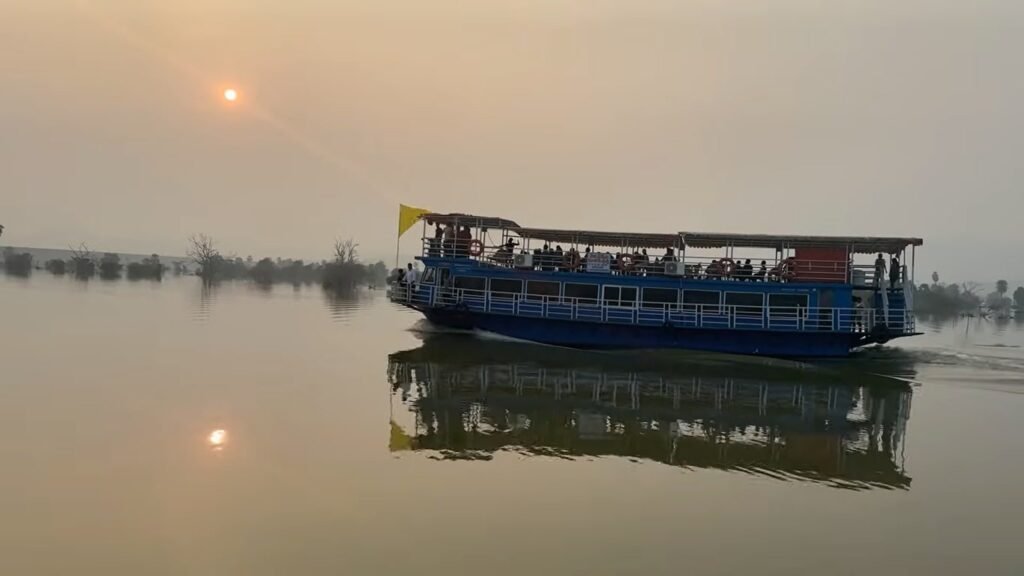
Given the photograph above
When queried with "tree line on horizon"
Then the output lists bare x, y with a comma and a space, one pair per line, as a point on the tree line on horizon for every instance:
941, 298
344, 272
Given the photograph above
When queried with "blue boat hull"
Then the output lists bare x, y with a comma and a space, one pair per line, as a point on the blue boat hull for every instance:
796, 344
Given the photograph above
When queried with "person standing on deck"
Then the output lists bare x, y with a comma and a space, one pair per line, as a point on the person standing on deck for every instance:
437, 242
411, 276
449, 240
894, 271
879, 270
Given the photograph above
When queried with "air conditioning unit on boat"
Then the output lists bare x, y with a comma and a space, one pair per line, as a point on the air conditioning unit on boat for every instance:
674, 269
523, 260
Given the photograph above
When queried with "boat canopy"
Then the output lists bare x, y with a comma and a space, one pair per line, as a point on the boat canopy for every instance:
856, 244
595, 238
471, 220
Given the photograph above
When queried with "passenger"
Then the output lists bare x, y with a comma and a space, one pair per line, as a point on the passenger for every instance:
464, 238
879, 270
449, 241
558, 260
670, 255
894, 271
586, 256
504, 254
411, 276
748, 270
545, 258
714, 270
437, 241
762, 274
572, 260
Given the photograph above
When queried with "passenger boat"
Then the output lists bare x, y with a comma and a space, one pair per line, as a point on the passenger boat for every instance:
801, 296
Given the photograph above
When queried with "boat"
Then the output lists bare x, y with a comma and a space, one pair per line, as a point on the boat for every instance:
461, 398
809, 296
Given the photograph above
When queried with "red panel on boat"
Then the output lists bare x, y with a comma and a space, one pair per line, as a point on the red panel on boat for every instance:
821, 265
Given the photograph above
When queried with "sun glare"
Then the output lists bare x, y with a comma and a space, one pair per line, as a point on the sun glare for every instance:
231, 95
218, 438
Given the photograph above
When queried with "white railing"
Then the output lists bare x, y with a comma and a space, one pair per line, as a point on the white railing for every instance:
741, 317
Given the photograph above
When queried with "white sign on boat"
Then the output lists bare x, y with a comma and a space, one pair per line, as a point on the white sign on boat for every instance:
599, 262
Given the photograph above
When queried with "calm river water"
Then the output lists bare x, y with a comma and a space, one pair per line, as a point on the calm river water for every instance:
160, 428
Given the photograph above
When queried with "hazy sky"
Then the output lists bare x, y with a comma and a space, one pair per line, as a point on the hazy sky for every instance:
847, 117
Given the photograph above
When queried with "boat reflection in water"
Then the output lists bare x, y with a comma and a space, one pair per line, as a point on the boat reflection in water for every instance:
468, 399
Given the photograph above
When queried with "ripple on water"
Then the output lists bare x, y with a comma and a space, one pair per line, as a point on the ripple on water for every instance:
341, 305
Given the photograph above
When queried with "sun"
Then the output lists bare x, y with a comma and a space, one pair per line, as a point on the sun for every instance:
231, 95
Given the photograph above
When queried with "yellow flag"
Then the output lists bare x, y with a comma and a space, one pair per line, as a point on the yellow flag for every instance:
407, 216
399, 440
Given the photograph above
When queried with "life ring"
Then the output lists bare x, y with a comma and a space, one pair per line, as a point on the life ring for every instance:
626, 262
572, 260
476, 247
728, 266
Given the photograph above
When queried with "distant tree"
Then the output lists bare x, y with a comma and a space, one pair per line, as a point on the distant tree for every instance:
345, 251
935, 277
110, 266
150, 268
19, 264
1002, 287
1018, 297
204, 253
56, 267
83, 263
345, 273
264, 271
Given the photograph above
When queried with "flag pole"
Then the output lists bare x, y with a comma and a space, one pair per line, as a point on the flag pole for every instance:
398, 243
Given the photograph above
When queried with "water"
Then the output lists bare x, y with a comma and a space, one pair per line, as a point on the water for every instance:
164, 428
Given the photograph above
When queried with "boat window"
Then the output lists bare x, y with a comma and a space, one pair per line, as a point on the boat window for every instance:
470, 283
787, 305
620, 296
658, 297
537, 290
746, 303
585, 294
428, 276
505, 288
705, 300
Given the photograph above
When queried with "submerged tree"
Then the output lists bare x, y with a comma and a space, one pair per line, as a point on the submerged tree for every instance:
110, 266
19, 264
997, 301
1018, 297
83, 264
56, 267
150, 268
204, 253
345, 273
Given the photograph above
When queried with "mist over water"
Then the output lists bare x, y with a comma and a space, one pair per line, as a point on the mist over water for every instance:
172, 428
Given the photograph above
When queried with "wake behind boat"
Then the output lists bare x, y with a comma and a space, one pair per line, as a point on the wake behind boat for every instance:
811, 296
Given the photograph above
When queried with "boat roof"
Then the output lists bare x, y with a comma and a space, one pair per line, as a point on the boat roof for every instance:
856, 244
597, 238
472, 220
